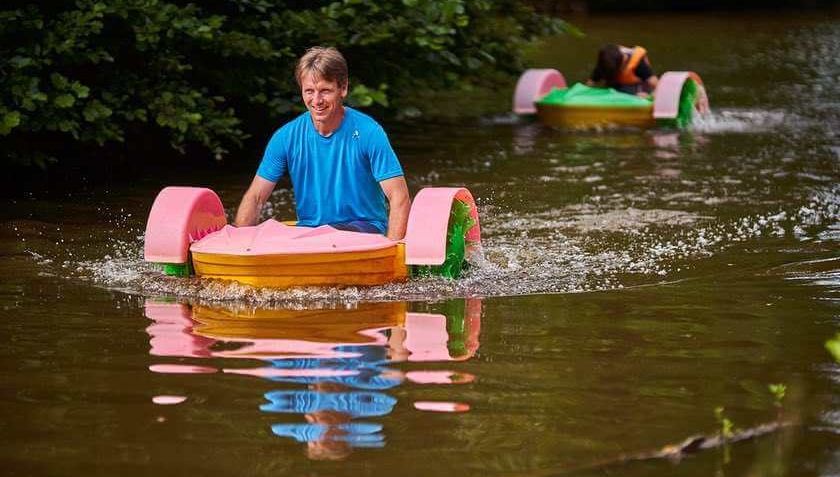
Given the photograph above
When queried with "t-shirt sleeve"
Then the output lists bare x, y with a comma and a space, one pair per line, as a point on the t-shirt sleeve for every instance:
383, 160
643, 70
274, 161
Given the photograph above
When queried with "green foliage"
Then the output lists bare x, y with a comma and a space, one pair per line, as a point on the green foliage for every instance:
91, 72
833, 347
727, 428
778, 391
362, 96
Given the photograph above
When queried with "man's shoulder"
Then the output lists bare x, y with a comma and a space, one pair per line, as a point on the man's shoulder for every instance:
295, 125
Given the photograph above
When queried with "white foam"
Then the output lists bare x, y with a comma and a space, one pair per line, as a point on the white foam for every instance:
740, 120
575, 249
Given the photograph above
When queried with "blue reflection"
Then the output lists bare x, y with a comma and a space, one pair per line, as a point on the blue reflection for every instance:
358, 434
367, 368
344, 388
352, 403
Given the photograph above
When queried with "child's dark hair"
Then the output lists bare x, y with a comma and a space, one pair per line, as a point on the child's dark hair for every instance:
609, 62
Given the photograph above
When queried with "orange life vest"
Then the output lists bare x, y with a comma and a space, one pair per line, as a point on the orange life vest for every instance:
627, 76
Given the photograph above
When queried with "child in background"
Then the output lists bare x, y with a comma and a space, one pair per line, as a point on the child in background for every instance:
625, 69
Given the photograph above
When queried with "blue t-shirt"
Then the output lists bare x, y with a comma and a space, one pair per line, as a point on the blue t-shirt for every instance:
336, 178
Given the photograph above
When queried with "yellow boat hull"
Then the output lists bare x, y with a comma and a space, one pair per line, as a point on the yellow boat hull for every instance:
366, 268
590, 117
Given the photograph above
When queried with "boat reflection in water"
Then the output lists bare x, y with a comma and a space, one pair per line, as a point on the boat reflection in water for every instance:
343, 358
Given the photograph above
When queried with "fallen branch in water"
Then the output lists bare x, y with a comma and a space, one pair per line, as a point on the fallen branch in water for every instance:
676, 452
695, 444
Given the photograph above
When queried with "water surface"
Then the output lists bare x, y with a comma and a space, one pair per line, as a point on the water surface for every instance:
632, 283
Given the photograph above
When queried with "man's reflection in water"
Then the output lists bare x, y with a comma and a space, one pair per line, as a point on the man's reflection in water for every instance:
329, 410
339, 391
351, 383
341, 356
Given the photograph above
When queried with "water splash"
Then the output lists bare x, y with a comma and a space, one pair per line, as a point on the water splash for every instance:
575, 249
743, 121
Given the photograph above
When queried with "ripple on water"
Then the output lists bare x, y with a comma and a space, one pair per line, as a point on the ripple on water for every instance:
575, 249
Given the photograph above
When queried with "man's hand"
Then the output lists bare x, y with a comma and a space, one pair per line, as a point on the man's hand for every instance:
399, 204
253, 201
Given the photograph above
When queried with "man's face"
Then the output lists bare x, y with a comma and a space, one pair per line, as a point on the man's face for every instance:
324, 100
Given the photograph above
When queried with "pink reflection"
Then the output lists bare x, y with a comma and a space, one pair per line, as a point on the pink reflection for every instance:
181, 369
430, 338
441, 406
284, 349
292, 373
439, 377
183, 331
666, 141
172, 331
668, 172
168, 400
426, 337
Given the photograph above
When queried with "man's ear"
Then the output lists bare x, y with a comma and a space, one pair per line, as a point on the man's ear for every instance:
344, 90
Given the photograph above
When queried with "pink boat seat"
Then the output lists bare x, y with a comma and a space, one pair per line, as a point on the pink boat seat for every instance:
275, 238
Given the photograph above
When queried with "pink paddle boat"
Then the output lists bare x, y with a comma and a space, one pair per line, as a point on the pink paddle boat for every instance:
187, 233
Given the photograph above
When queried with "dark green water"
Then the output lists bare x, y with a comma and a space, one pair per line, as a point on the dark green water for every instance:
633, 282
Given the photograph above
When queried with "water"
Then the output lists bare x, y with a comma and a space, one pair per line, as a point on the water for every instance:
632, 283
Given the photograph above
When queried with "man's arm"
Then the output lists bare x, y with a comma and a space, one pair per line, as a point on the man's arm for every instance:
253, 202
399, 204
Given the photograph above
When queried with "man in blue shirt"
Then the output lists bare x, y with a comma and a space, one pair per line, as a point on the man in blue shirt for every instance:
343, 170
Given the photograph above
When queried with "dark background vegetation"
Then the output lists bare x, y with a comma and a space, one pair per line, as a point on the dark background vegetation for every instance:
582, 6
96, 90
91, 86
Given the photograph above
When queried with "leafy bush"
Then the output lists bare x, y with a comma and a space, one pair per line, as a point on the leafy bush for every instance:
94, 73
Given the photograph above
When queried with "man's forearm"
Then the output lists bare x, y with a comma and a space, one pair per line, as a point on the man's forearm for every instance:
252, 202
399, 205
398, 219
248, 212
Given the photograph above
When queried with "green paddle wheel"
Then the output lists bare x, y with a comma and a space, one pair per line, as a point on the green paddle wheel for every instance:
460, 223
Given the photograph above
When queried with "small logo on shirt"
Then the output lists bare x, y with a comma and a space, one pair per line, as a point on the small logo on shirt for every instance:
356, 134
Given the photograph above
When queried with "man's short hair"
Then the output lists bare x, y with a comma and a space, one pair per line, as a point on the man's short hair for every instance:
325, 62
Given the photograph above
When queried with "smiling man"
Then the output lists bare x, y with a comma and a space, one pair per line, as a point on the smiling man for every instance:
343, 169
